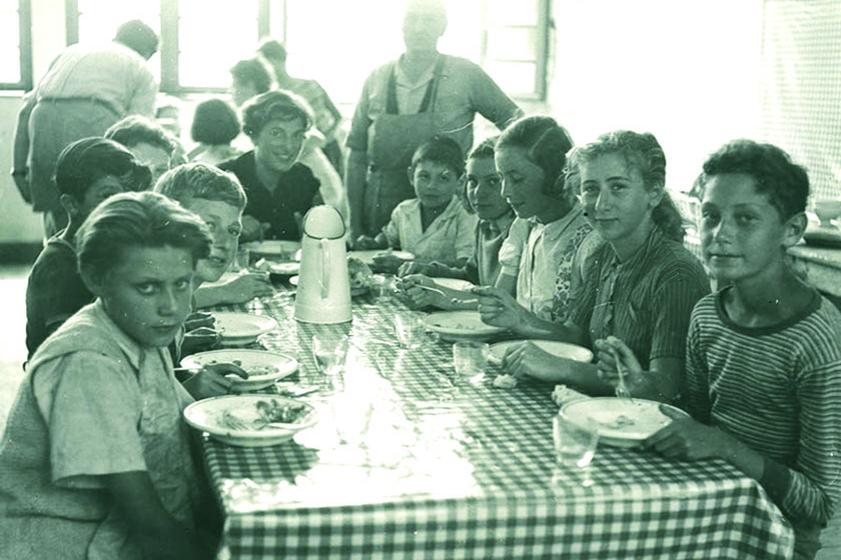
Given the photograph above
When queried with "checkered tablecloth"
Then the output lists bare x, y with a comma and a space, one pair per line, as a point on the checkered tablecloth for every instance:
407, 463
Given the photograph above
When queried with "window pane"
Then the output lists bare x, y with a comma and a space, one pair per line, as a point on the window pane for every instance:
512, 43
515, 78
9, 42
99, 20
506, 12
212, 37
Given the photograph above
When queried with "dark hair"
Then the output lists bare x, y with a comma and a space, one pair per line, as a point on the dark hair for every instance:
485, 149
86, 161
443, 150
144, 219
139, 37
272, 50
643, 152
199, 180
546, 144
277, 104
253, 71
785, 183
215, 123
134, 130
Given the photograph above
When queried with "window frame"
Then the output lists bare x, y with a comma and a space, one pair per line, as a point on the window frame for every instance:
169, 49
24, 48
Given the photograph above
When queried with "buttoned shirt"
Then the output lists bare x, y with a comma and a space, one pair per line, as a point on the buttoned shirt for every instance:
490, 234
448, 239
113, 74
541, 255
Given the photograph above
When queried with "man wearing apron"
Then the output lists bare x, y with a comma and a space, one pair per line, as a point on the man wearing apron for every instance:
406, 102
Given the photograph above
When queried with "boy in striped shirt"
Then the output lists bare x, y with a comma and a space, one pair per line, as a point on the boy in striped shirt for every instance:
763, 379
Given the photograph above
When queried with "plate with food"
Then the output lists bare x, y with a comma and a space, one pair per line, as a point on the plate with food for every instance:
361, 276
250, 420
621, 422
559, 349
460, 324
285, 268
263, 368
368, 256
241, 328
275, 249
454, 284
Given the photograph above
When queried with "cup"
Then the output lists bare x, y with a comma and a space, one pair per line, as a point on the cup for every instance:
329, 351
410, 330
470, 358
575, 444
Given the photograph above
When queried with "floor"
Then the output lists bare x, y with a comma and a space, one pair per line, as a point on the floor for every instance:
13, 354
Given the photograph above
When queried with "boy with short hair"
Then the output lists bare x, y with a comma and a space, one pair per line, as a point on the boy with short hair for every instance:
218, 199
763, 366
148, 141
95, 456
434, 226
87, 172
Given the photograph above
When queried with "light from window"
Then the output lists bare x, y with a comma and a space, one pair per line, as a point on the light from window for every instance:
212, 37
10, 71
99, 20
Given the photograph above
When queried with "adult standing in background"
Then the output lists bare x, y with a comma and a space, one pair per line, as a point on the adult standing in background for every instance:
327, 116
85, 91
406, 102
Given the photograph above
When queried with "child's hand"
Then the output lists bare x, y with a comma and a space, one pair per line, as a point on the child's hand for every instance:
199, 340
499, 308
253, 229
211, 380
418, 297
685, 438
365, 243
387, 263
246, 287
197, 320
611, 349
527, 360
413, 267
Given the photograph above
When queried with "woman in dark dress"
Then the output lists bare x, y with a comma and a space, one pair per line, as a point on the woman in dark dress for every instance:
280, 189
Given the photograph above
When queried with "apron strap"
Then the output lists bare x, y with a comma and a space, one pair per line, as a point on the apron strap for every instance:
428, 97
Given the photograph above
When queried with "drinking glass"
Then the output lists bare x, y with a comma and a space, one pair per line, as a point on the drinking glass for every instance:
329, 351
575, 444
470, 358
410, 330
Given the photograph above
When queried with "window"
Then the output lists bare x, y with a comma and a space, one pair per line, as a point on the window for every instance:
15, 29
202, 39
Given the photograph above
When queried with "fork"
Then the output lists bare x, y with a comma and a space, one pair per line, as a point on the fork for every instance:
621, 387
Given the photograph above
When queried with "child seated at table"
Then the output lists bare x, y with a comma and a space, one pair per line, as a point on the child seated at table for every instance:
640, 284
483, 192
95, 456
153, 146
87, 172
435, 226
763, 357
215, 126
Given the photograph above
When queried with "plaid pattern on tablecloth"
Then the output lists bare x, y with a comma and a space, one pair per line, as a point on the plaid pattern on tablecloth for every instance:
464, 471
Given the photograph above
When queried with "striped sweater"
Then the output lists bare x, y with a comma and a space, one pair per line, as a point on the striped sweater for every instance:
778, 390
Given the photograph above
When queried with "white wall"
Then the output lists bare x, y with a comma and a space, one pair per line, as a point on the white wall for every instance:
688, 72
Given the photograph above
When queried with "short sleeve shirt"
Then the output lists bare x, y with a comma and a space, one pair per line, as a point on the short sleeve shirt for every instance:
54, 292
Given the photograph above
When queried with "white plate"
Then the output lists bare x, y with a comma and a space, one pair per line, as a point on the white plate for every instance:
276, 366
621, 422
285, 268
276, 248
241, 328
560, 349
368, 256
207, 415
460, 324
353, 291
454, 284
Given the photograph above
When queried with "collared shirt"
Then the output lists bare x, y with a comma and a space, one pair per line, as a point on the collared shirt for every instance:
541, 256
484, 266
111, 73
646, 300
297, 191
448, 239
93, 403
464, 90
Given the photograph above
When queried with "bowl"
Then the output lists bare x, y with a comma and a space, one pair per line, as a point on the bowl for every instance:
827, 209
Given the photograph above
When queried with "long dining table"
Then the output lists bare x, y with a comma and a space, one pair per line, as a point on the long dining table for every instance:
408, 460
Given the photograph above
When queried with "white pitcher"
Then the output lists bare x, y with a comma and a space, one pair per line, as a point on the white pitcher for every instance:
323, 294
